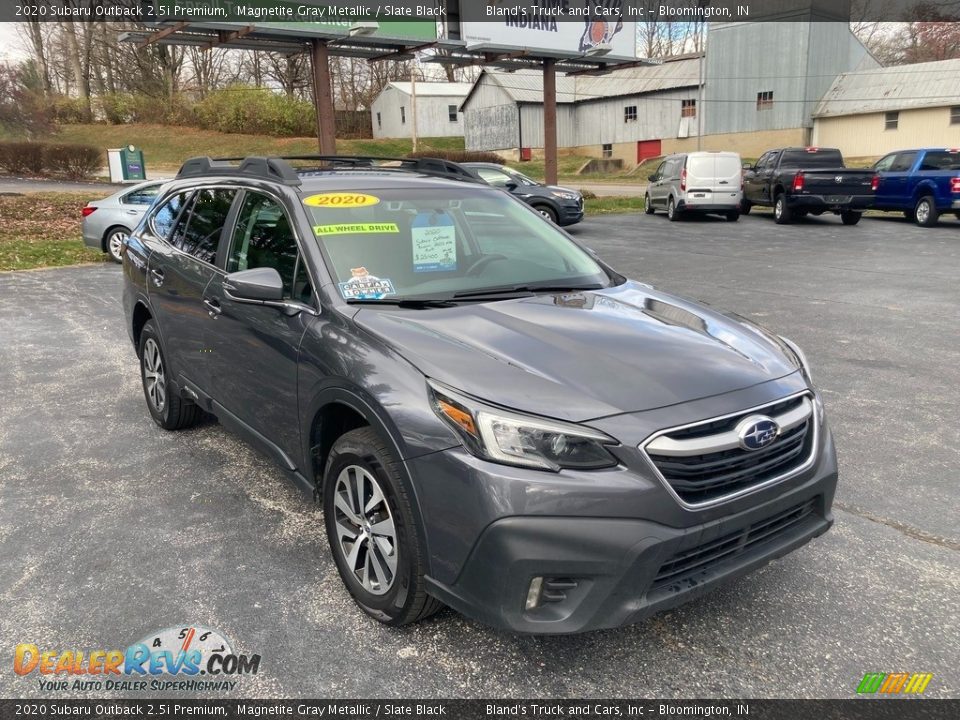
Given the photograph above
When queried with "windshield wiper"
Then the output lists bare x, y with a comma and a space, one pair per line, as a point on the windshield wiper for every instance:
405, 302
523, 290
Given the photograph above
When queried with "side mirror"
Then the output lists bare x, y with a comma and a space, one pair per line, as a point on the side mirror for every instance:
653, 178
258, 285
747, 166
510, 185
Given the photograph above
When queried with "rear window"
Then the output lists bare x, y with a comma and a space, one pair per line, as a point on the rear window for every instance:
701, 166
811, 159
941, 160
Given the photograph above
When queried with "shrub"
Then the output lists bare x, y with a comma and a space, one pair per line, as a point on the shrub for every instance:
258, 111
460, 156
76, 162
22, 158
65, 109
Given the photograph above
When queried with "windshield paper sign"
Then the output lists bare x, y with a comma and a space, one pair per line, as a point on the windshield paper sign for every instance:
434, 242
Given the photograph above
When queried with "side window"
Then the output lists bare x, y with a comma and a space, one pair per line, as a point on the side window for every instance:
167, 214
201, 234
661, 169
903, 162
883, 164
143, 196
263, 238
494, 177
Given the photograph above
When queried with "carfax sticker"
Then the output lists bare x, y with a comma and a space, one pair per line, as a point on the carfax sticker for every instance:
364, 286
355, 228
434, 241
340, 200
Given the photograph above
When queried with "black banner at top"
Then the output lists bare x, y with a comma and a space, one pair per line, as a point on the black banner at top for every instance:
519, 11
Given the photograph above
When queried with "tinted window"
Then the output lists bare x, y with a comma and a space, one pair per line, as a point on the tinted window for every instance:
143, 196
941, 160
208, 215
884, 164
811, 159
167, 214
903, 162
494, 177
263, 238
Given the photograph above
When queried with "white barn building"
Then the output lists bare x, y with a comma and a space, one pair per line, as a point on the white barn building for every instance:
438, 110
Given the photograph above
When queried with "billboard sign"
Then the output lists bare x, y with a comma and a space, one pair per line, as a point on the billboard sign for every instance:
597, 35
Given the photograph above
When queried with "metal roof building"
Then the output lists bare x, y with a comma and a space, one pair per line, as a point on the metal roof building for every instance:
438, 109
870, 113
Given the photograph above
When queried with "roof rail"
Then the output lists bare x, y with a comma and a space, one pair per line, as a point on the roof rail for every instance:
254, 167
425, 165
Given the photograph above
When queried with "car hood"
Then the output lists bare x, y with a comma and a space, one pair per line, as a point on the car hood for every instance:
583, 355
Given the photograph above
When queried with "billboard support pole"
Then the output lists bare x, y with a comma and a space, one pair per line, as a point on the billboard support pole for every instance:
323, 97
550, 121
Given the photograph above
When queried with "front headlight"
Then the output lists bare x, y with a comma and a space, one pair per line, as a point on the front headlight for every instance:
514, 439
564, 195
799, 358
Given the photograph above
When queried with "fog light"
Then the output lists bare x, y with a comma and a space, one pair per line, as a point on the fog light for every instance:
533, 594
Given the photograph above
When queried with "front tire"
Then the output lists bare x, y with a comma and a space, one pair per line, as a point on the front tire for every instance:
925, 212
781, 211
372, 531
648, 206
113, 241
167, 409
850, 217
548, 212
745, 207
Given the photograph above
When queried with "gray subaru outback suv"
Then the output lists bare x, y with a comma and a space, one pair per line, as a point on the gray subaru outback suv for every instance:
492, 417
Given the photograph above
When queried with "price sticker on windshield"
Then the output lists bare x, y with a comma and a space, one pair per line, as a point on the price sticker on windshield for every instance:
434, 240
340, 200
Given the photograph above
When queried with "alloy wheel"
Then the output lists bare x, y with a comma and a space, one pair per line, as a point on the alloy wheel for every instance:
115, 244
154, 379
923, 212
366, 533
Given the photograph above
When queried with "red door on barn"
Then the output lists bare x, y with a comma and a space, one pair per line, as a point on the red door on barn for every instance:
647, 149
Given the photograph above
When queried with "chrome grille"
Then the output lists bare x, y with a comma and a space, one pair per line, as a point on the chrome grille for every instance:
704, 463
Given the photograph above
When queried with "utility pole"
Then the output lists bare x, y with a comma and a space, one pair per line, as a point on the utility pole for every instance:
550, 121
323, 97
413, 108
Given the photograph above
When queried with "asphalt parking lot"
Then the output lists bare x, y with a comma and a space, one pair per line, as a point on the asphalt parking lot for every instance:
111, 529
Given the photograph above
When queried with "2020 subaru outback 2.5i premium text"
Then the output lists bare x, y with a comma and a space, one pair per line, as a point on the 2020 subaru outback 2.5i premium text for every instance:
493, 417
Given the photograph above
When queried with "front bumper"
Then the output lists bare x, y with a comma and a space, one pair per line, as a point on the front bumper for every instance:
569, 214
613, 548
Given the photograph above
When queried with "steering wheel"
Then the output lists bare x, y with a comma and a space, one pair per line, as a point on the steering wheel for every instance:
477, 266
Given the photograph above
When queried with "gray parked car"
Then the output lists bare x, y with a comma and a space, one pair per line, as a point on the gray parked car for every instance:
492, 417
108, 222
561, 205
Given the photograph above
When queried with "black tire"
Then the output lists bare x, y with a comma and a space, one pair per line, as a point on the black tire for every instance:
957, 214
672, 213
733, 216
548, 212
925, 212
648, 205
850, 217
173, 412
782, 214
745, 207
405, 600
110, 242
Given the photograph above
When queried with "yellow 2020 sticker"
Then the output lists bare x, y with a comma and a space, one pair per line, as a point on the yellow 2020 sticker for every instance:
355, 228
340, 200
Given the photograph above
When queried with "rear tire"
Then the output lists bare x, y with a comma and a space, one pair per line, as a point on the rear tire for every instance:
370, 524
733, 216
781, 211
850, 217
745, 207
648, 206
672, 213
113, 240
925, 211
168, 410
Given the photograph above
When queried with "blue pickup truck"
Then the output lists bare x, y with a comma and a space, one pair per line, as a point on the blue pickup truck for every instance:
923, 184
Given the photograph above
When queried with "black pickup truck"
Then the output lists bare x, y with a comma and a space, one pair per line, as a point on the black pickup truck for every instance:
798, 181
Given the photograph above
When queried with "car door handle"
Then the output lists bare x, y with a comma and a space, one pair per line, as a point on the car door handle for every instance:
157, 276
213, 306
133, 212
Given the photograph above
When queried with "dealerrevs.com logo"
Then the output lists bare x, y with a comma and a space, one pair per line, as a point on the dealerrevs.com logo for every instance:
191, 658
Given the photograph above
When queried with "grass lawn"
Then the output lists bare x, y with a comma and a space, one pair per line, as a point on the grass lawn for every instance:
612, 204
165, 147
43, 230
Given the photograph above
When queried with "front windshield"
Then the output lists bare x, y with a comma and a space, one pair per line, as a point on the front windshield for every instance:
401, 243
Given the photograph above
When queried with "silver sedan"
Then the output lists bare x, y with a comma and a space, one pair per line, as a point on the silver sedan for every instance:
107, 222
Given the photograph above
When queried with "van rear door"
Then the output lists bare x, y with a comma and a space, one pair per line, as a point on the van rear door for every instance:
713, 179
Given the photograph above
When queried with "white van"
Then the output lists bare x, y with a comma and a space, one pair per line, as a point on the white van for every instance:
705, 182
